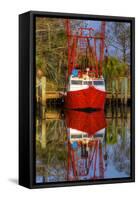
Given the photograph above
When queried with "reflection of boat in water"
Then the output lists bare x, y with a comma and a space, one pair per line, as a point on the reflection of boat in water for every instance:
83, 123
85, 152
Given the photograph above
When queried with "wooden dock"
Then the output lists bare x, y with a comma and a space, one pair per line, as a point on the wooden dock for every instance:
118, 95
55, 95
43, 96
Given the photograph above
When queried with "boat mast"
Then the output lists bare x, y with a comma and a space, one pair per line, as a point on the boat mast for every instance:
86, 42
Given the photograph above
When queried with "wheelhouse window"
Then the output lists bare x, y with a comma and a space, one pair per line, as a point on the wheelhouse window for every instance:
76, 136
87, 82
76, 82
85, 136
98, 82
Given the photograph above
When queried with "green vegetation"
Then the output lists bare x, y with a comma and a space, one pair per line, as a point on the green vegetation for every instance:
114, 72
54, 156
51, 47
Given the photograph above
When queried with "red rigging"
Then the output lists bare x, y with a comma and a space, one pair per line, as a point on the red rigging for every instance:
85, 82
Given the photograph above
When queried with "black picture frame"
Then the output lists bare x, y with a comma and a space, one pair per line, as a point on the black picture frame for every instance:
27, 98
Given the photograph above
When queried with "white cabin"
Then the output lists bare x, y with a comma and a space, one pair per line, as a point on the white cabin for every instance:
76, 83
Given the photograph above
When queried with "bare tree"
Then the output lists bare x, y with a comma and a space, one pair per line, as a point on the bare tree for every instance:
118, 39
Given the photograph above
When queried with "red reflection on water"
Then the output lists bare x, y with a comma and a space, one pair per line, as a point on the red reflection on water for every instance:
86, 122
85, 151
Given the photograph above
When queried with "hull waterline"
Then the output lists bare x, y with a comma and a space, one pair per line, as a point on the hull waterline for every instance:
86, 98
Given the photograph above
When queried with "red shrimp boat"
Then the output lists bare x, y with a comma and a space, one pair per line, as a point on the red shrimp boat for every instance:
85, 85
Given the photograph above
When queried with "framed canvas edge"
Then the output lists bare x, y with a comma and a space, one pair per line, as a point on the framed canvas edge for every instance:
33, 14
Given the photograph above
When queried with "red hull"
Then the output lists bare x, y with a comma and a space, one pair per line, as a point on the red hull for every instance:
86, 98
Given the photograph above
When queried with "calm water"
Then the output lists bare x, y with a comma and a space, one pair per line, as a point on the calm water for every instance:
74, 145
